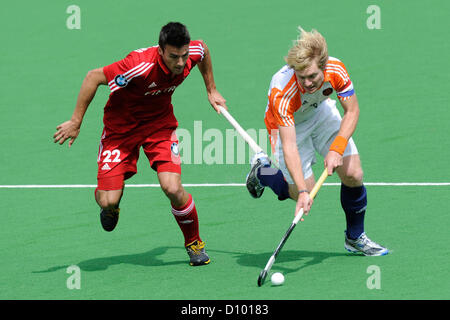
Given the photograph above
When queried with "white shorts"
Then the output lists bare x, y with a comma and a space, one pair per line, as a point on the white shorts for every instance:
316, 129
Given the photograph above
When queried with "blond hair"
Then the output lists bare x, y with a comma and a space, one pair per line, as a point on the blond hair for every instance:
309, 47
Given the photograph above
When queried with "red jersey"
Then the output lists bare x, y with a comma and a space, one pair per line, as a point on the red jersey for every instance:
142, 86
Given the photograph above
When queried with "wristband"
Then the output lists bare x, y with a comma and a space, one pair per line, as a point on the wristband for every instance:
303, 190
339, 144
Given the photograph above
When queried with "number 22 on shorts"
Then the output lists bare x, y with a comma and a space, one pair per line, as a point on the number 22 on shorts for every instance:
111, 156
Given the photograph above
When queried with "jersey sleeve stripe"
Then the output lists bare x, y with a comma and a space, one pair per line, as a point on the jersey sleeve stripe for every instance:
284, 104
347, 92
113, 87
142, 72
196, 47
287, 117
340, 72
135, 68
191, 50
348, 87
197, 50
193, 53
336, 67
131, 70
136, 73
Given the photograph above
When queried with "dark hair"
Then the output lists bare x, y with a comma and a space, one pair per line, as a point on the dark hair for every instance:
174, 34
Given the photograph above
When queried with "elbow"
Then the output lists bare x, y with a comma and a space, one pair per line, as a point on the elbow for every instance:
90, 77
91, 74
96, 77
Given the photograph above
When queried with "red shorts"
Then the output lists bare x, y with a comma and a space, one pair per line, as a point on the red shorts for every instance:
118, 154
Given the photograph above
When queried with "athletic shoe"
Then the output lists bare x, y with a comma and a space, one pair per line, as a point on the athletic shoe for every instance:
365, 245
109, 219
197, 254
253, 184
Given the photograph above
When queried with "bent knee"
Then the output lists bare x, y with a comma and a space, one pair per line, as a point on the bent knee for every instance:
108, 199
172, 190
353, 177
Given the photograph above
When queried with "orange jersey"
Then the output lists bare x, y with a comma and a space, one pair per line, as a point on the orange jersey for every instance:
287, 100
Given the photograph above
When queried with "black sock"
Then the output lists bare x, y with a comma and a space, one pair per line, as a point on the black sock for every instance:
274, 179
354, 203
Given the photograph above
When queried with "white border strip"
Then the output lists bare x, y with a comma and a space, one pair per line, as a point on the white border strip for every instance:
65, 186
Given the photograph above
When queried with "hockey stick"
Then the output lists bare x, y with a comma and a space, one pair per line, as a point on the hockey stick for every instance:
255, 147
265, 271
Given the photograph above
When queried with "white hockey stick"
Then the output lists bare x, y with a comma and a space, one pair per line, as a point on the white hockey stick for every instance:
255, 147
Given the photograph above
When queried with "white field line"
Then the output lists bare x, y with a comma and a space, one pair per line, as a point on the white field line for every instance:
65, 186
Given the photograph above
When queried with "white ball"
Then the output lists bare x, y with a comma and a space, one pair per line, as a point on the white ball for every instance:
277, 279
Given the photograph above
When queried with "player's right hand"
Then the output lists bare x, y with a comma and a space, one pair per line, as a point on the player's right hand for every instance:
216, 100
304, 201
66, 130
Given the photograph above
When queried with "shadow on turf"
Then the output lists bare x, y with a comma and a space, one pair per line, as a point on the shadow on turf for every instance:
302, 258
149, 259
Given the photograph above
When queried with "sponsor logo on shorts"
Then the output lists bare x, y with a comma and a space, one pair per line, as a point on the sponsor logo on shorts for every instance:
106, 167
121, 81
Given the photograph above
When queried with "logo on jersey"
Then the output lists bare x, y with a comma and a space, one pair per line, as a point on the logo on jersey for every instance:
157, 92
121, 81
327, 91
174, 148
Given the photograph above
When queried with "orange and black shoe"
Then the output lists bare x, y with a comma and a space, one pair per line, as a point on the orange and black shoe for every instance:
109, 218
197, 253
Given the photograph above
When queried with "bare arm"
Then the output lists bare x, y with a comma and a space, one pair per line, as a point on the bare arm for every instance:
348, 127
71, 128
294, 166
350, 118
206, 69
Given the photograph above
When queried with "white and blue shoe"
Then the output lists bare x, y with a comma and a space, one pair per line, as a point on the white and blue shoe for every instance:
364, 245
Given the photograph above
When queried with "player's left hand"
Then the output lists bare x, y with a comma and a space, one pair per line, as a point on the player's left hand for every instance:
68, 130
216, 100
332, 161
